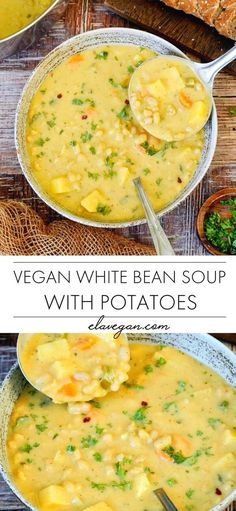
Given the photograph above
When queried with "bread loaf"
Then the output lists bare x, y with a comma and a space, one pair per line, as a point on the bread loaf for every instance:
220, 14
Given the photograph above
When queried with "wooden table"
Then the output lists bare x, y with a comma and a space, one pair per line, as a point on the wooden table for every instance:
84, 15
8, 501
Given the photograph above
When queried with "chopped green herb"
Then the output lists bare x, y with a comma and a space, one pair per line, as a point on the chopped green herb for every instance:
97, 456
224, 405
130, 69
140, 416
103, 209
189, 493
99, 430
88, 441
55, 436
221, 232
99, 486
124, 113
77, 101
102, 55
199, 433
73, 143
51, 123
41, 141
41, 427
92, 150
95, 403
148, 369
119, 470
160, 362
146, 171
214, 423
181, 387
70, 448
171, 482
86, 137
134, 386
93, 175
158, 181
45, 402
26, 448
170, 407
177, 456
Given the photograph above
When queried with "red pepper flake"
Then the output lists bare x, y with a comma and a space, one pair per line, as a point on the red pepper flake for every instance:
59, 96
144, 403
84, 117
218, 491
179, 180
86, 419
127, 102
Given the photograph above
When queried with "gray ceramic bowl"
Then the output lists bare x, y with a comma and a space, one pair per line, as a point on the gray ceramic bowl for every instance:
203, 347
107, 36
28, 35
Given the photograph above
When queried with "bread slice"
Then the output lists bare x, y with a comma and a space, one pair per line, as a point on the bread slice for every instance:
220, 14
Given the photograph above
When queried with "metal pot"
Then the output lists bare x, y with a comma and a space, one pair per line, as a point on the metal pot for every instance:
202, 347
28, 35
107, 36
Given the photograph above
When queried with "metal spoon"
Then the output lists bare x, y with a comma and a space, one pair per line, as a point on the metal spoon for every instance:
165, 500
205, 73
159, 238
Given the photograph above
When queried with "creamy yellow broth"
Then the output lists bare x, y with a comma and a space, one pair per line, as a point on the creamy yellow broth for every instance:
172, 424
85, 147
17, 14
168, 99
75, 367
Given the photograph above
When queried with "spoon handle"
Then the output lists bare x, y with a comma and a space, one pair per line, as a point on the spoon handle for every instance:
160, 240
208, 71
164, 499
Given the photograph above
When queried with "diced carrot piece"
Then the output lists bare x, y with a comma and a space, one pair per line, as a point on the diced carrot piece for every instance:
182, 444
185, 100
84, 343
69, 389
164, 457
75, 59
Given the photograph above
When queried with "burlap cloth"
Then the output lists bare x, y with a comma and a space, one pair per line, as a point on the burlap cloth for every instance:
23, 232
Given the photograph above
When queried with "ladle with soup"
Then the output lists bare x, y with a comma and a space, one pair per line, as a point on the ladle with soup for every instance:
171, 97
74, 367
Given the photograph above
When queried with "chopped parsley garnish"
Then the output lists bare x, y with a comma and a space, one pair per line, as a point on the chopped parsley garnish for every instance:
189, 493
70, 448
77, 101
27, 447
124, 113
51, 123
140, 416
86, 137
181, 387
41, 141
88, 441
220, 231
73, 143
214, 423
170, 407
103, 209
97, 456
176, 456
224, 405
99, 430
92, 150
102, 55
41, 427
119, 470
148, 369
160, 362
93, 175
95, 403
134, 386
171, 482
146, 171
130, 69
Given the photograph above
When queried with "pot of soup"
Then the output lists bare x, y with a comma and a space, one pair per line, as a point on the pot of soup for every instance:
160, 428
21, 22
79, 145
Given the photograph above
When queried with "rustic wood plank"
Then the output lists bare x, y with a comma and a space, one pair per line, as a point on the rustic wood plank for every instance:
187, 32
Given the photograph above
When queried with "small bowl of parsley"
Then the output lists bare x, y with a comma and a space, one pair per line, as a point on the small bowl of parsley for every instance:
216, 222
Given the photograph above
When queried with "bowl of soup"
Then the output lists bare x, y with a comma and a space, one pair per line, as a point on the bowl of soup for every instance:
80, 146
21, 22
160, 429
